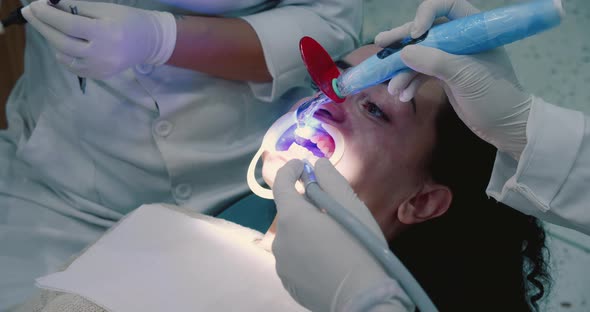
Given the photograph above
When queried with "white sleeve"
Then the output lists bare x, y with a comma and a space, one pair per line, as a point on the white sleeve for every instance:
551, 180
335, 24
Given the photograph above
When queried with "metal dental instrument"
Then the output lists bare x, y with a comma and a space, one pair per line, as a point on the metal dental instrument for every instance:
16, 17
81, 80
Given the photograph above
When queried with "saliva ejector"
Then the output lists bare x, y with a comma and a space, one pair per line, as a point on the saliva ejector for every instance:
468, 35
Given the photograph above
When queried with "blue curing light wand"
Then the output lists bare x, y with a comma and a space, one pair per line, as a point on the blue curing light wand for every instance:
468, 35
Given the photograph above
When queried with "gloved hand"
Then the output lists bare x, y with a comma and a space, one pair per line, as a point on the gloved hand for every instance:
104, 39
483, 88
322, 266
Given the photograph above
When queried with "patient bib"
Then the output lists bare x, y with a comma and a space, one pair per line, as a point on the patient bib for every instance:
160, 259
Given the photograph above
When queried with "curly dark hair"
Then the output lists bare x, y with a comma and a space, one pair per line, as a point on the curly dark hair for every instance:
481, 255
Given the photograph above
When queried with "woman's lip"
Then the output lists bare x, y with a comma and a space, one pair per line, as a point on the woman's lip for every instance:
323, 112
325, 116
335, 111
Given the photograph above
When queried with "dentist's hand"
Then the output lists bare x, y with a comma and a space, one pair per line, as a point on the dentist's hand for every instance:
104, 39
322, 266
482, 88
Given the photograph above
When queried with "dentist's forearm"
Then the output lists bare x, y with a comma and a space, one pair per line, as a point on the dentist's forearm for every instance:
224, 47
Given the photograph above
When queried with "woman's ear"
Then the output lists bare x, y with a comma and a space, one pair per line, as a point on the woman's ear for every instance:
430, 202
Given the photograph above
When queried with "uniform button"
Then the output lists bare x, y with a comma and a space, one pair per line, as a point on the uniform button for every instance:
183, 191
144, 69
163, 128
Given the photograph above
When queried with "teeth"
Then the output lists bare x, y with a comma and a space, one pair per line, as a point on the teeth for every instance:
326, 147
316, 138
300, 152
322, 147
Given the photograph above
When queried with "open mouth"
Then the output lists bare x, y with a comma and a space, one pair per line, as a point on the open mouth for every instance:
324, 141
320, 143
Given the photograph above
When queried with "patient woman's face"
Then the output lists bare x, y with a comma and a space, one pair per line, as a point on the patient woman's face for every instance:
387, 142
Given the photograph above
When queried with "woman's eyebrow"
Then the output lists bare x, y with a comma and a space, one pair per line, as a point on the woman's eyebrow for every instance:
342, 64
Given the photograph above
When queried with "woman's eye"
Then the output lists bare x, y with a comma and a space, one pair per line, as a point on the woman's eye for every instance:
374, 110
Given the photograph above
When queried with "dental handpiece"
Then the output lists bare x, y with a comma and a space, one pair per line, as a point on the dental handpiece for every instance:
391, 264
468, 35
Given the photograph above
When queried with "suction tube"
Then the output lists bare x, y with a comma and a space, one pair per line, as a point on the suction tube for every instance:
468, 35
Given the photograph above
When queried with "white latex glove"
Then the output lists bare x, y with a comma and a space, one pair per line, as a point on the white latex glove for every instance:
482, 88
105, 38
322, 266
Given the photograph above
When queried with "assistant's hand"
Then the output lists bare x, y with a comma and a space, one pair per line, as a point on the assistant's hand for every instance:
482, 88
321, 265
104, 39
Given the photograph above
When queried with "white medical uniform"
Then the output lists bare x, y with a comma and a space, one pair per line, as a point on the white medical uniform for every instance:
72, 164
551, 181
